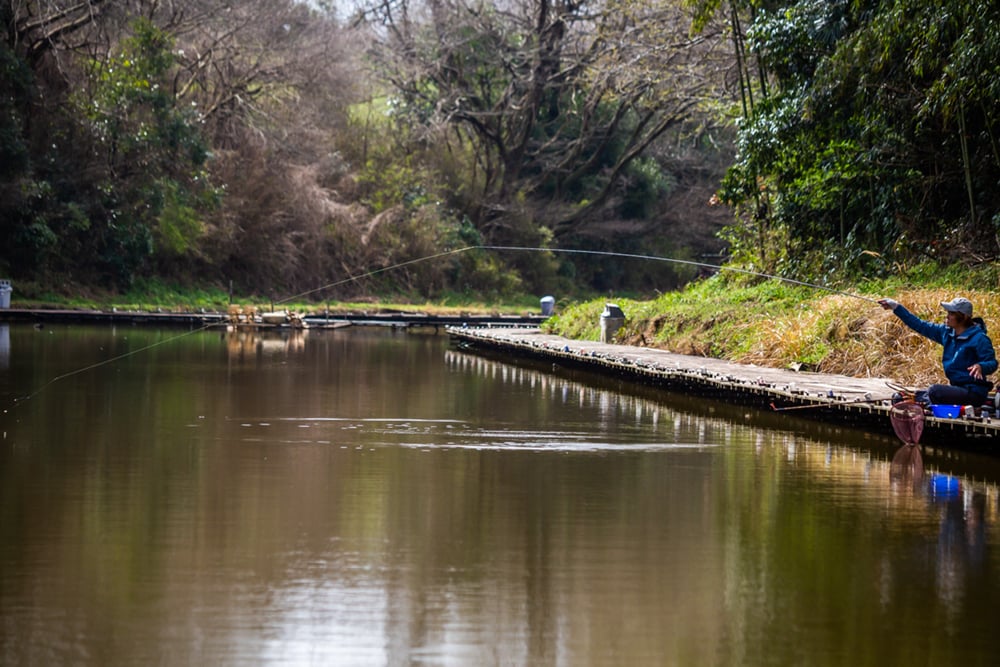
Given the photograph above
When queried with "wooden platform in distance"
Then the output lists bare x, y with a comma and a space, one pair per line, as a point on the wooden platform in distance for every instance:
864, 402
322, 320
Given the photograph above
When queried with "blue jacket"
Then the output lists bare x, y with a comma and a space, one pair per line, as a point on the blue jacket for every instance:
960, 351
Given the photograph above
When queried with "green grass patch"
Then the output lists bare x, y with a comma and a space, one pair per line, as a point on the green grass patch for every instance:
152, 295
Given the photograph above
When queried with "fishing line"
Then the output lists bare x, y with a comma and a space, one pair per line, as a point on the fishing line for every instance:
569, 251
382, 270
447, 253
173, 338
105, 362
686, 262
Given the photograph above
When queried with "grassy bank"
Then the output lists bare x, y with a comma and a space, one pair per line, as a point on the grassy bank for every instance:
779, 324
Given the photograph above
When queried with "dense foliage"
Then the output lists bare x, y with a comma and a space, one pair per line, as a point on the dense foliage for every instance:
872, 138
280, 147
277, 146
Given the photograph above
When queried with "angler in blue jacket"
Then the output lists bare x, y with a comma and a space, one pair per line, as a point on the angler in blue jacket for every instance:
968, 354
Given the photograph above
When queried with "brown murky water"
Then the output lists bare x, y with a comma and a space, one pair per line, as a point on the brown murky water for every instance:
369, 497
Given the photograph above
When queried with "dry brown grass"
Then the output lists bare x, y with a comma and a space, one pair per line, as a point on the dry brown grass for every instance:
780, 341
770, 324
872, 342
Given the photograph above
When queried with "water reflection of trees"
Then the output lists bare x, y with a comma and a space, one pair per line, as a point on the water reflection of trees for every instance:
894, 521
4, 346
303, 528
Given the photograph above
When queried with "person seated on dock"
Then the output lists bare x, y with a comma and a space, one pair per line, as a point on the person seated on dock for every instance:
968, 356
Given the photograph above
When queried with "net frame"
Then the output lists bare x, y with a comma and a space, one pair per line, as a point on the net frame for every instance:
907, 421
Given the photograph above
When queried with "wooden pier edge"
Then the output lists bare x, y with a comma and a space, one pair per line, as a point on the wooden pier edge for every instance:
861, 402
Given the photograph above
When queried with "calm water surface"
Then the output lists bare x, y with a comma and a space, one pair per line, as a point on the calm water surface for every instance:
365, 497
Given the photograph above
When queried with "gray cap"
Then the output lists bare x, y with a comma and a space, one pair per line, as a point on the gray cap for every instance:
958, 305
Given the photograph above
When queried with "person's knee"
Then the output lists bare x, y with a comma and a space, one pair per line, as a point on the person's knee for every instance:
939, 394
946, 394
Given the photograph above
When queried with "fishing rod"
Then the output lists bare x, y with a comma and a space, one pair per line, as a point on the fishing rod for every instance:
857, 401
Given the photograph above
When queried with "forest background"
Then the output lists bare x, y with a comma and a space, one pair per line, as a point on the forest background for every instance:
275, 147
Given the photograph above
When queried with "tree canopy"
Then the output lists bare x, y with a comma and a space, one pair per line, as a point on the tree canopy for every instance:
873, 141
283, 145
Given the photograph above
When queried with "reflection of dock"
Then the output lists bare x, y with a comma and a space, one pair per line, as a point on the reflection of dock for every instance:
250, 342
857, 401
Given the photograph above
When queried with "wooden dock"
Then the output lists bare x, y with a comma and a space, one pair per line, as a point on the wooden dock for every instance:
862, 402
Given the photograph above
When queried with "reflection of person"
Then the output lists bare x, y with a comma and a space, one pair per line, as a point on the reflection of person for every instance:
962, 544
968, 355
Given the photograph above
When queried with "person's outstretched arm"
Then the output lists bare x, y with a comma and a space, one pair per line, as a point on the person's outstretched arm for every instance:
935, 332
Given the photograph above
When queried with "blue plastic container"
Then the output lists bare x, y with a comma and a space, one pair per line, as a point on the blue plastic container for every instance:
944, 487
947, 411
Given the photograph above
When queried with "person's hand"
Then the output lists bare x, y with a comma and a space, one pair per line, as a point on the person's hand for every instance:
888, 304
976, 371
